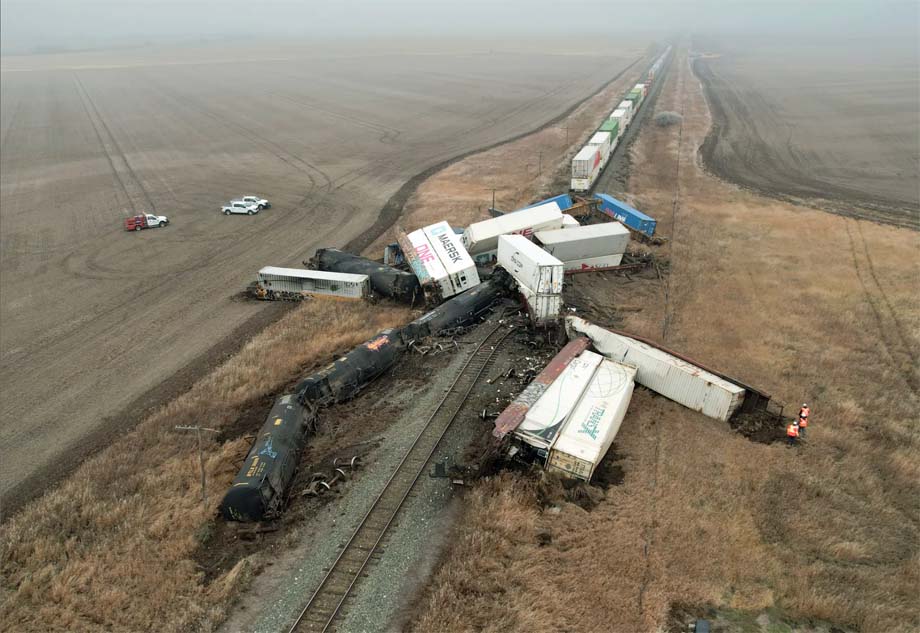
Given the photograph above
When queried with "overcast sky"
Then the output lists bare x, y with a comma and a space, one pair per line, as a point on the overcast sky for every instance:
34, 25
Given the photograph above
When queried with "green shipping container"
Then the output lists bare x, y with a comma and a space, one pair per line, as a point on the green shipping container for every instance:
634, 95
611, 126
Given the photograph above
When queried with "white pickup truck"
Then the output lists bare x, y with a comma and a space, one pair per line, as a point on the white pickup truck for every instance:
262, 203
240, 206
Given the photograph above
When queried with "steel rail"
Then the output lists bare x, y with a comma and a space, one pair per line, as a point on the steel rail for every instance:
327, 600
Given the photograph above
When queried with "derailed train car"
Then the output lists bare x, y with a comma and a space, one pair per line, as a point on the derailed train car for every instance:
385, 280
268, 470
343, 378
258, 489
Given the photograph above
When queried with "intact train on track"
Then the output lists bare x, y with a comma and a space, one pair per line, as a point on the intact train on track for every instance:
589, 162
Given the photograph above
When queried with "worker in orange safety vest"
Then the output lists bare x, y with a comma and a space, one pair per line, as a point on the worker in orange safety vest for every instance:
804, 412
792, 433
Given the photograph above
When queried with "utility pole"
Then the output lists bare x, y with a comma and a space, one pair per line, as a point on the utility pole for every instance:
198, 430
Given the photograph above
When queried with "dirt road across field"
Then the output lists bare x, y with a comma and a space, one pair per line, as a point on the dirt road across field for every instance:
841, 135
94, 317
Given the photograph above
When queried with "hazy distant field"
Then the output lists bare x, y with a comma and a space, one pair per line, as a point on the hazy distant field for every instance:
818, 119
94, 316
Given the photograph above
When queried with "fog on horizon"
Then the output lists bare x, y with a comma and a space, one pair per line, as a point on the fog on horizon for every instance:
36, 26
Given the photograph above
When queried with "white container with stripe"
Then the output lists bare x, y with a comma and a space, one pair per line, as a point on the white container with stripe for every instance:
593, 263
592, 240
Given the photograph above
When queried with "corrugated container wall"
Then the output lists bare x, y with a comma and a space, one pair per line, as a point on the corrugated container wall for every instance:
530, 265
585, 161
686, 384
543, 309
591, 428
275, 280
593, 240
591, 263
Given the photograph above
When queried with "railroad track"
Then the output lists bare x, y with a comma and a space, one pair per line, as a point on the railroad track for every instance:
326, 603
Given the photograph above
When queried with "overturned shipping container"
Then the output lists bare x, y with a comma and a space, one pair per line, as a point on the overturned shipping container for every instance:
530, 265
546, 417
273, 282
593, 240
428, 268
589, 431
664, 373
482, 237
450, 250
509, 419
629, 216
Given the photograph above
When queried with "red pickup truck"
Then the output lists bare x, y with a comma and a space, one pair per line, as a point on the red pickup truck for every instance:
145, 221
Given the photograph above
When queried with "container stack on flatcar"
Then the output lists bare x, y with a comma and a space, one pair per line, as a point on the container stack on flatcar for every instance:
589, 162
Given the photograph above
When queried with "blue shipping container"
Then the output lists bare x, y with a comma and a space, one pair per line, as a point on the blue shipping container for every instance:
563, 200
633, 218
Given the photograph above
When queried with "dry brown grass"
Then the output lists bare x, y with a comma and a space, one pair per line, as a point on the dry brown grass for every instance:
462, 193
808, 305
111, 547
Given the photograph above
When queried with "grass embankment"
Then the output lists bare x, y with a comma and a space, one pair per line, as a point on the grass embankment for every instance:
111, 547
807, 305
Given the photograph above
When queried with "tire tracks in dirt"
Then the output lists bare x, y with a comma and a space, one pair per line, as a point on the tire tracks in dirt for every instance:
893, 348
118, 150
753, 166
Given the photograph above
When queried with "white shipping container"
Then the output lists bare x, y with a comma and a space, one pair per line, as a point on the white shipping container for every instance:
585, 162
601, 140
627, 107
530, 265
593, 240
543, 308
642, 87
666, 374
456, 261
581, 185
568, 222
275, 281
482, 237
589, 263
590, 429
547, 416
427, 265
622, 118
